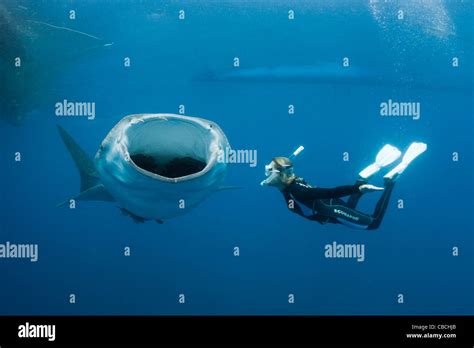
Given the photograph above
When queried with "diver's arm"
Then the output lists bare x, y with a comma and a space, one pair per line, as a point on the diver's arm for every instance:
293, 205
304, 192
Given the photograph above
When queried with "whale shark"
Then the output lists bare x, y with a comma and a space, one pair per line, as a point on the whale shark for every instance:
29, 68
323, 73
154, 166
332, 74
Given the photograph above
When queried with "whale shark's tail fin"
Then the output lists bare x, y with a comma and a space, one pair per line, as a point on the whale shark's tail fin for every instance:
89, 176
91, 187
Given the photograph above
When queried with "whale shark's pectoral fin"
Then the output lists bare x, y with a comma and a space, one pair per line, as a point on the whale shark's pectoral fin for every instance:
137, 219
225, 188
96, 193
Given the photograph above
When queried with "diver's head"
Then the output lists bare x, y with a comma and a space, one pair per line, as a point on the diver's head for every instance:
279, 173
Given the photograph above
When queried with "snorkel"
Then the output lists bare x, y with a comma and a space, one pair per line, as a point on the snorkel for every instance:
272, 173
297, 152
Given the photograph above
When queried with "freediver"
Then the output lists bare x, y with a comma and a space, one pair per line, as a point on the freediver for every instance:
325, 205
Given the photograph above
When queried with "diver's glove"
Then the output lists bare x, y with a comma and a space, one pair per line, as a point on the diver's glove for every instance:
369, 188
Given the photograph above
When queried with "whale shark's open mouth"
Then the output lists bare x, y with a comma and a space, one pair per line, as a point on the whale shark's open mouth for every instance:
171, 147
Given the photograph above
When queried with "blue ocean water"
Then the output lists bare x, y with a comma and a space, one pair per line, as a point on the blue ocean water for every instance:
405, 56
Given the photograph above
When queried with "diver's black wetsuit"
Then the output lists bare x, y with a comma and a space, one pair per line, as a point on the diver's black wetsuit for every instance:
326, 205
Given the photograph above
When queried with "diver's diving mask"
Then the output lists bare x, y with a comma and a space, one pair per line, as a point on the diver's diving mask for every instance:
272, 171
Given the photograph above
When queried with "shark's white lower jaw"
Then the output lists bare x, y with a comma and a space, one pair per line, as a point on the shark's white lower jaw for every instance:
171, 149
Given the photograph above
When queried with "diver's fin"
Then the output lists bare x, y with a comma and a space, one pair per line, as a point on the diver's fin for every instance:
386, 156
89, 176
370, 188
413, 151
96, 193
